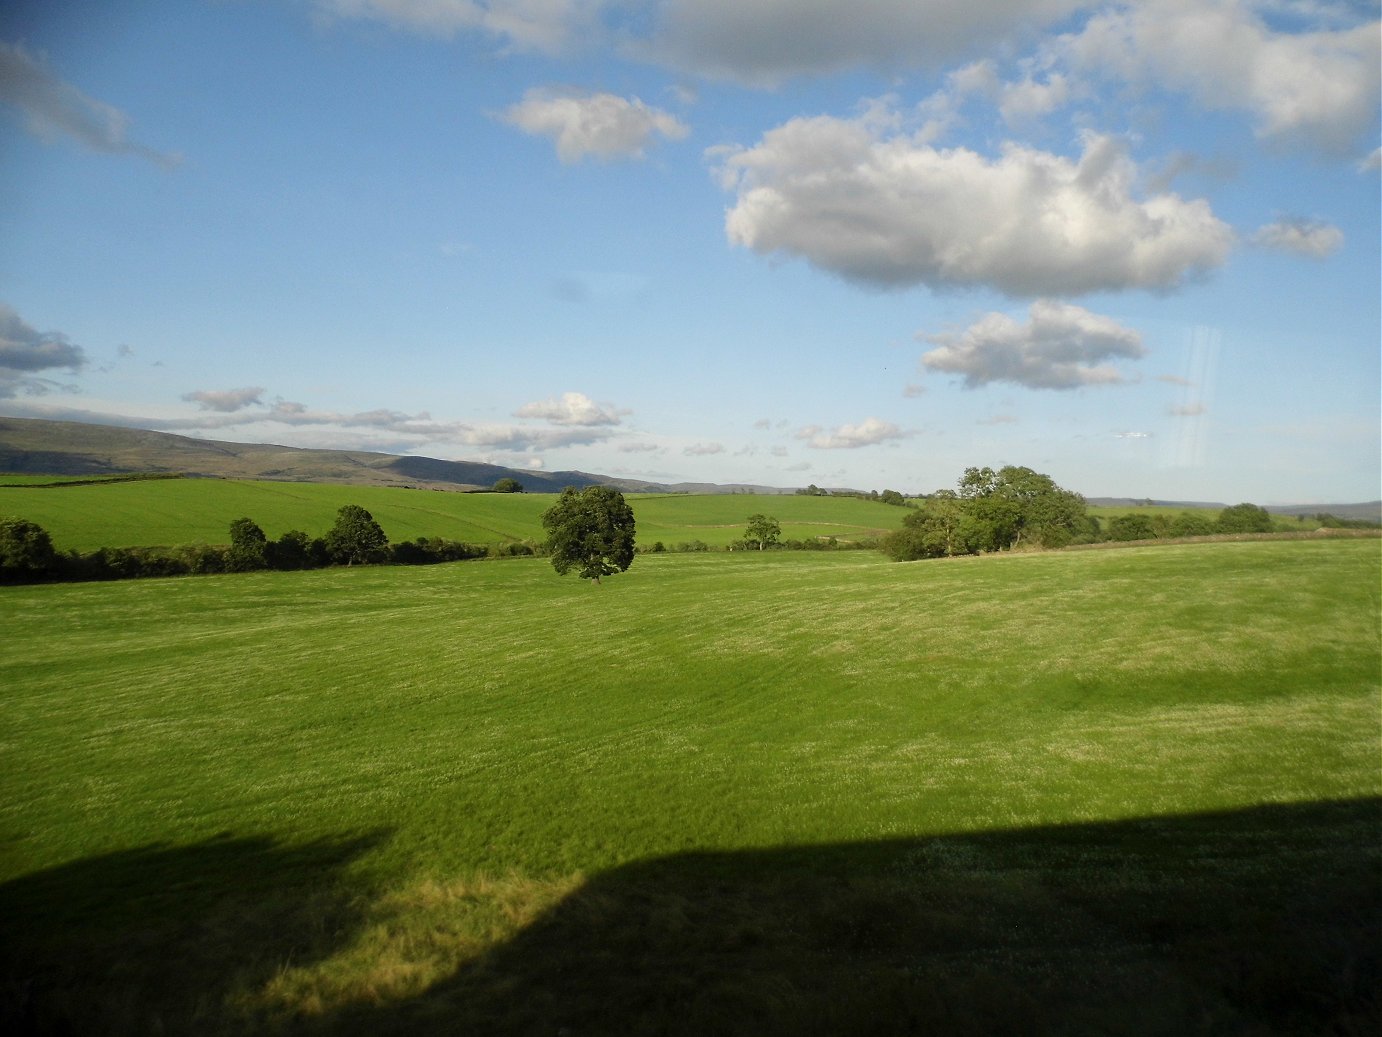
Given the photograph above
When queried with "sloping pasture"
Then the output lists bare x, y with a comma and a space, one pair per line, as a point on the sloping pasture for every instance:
165, 512
1131, 791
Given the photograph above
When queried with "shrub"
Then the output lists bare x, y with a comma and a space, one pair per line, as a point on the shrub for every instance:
1131, 527
1244, 518
293, 550
1189, 524
247, 547
26, 551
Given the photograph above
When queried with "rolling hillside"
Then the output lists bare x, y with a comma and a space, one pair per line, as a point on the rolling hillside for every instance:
32, 446
85, 515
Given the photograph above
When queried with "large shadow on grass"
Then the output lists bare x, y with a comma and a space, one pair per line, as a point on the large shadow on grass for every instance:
161, 939
1256, 921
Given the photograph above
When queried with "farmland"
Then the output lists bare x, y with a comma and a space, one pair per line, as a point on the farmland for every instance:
791, 793
165, 512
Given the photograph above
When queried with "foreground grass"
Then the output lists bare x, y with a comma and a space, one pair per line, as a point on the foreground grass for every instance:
777, 793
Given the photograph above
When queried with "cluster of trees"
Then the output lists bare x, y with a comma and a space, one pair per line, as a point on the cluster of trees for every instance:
992, 511
1015, 507
886, 497
27, 554
1241, 518
1328, 521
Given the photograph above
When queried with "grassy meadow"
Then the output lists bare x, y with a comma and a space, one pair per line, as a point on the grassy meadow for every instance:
167, 512
1123, 791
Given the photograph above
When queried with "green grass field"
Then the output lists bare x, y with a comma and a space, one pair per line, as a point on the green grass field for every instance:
179, 511
1123, 791
1105, 513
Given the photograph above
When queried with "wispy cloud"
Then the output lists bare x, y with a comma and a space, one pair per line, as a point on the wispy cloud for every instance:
240, 412
25, 351
54, 108
764, 42
703, 449
548, 26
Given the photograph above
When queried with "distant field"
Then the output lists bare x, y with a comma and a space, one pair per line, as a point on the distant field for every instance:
1104, 513
56, 480
1119, 791
184, 511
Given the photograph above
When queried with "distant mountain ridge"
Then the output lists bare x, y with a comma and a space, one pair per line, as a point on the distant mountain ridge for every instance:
35, 446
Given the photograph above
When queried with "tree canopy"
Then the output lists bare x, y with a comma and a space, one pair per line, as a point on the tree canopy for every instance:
26, 550
508, 484
591, 531
1244, 518
990, 511
247, 546
355, 537
762, 531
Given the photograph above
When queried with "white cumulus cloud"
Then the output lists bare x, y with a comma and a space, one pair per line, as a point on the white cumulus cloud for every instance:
601, 125
1313, 238
868, 432
889, 211
1058, 346
1316, 87
573, 408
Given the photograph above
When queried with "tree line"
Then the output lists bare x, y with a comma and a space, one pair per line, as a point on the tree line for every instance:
27, 554
1015, 507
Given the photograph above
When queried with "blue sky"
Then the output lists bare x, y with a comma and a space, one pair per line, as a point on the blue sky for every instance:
1133, 246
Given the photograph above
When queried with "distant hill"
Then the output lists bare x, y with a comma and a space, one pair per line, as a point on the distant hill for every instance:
33, 446
1369, 511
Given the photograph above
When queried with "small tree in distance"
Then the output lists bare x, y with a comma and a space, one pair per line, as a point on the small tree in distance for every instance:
508, 485
591, 531
26, 551
763, 531
355, 537
247, 547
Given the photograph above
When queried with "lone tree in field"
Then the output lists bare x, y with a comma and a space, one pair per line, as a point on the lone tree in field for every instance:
355, 537
591, 531
507, 485
247, 547
26, 551
763, 531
